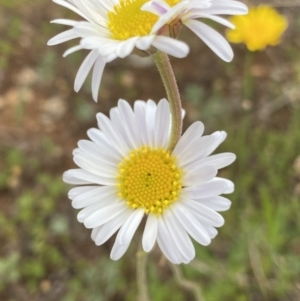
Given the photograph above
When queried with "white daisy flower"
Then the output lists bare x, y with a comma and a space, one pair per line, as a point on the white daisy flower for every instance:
194, 9
116, 28
126, 173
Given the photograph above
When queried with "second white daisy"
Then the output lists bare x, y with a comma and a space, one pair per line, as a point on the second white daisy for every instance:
114, 28
126, 173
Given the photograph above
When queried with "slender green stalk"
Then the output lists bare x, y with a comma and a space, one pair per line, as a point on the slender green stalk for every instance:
141, 275
189, 285
166, 72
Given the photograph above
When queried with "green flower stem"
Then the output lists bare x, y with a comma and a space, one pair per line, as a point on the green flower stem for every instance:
141, 275
166, 72
186, 284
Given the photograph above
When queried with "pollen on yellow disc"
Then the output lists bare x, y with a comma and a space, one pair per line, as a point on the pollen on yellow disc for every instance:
263, 26
149, 179
127, 20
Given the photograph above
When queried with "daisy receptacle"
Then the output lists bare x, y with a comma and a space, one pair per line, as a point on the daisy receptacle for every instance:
112, 29
127, 173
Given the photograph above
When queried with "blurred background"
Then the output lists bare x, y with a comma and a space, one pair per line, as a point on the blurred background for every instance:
45, 254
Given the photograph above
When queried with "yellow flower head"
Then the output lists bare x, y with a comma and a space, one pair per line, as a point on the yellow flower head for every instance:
263, 26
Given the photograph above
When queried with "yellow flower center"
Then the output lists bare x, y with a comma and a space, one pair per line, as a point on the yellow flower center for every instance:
149, 179
127, 20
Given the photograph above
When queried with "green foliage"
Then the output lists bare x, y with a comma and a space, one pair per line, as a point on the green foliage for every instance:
9, 269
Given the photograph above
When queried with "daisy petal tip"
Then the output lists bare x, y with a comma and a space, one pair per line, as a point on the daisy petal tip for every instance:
206, 243
230, 188
88, 224
97, 243
65, 176
229, 58
220, 222
50, 43
185, 50
147, 248
95, 98
122, 102
76, 87
112, 257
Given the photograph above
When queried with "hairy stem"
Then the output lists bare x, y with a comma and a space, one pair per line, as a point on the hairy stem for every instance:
141, 275
166, 72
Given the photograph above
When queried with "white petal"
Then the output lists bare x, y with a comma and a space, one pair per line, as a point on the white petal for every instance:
212, 232
191, 224
150, 121
93, 195
204, 213
218, 161
126, 47
62, 37
85, 69
195, 151
230, 185
95, 232
97, 75
129, 123
217, 203
199, 176
102, 155
91, 9
128, 229
78, 176
199, 14
102, 169
143, 43
104, 215
156, 7
170, 15
96, 207
103, 148
227, 8
85, 29
72, 50
71, 7
179, 235
150, 233
162, 124
64, 22
74, 192
193, 132
108, 229
100, 43
219, 136
171, 46
118, 250
167, 244
140, 117
212, 188
212, 39
119, 124
112, 134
